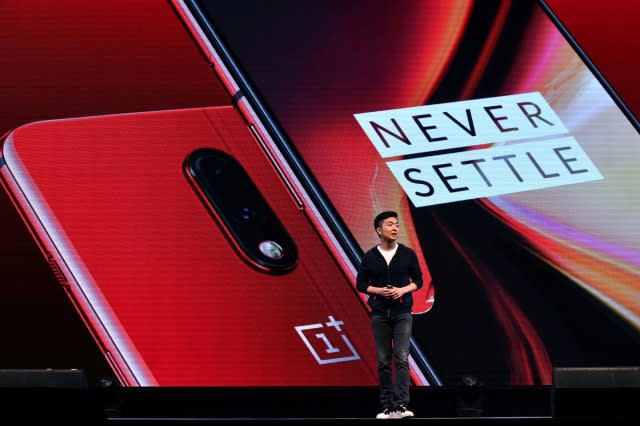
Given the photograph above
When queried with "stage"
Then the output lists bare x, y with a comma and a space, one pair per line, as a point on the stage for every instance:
109, 404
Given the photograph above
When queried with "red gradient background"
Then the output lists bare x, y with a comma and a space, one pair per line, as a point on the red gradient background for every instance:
75, 58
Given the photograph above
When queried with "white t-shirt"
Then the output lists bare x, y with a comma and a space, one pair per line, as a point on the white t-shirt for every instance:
388, 254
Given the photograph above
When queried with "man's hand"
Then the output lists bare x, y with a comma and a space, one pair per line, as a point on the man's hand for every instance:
391, 292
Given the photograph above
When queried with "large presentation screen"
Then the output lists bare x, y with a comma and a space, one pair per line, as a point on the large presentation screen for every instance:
510, 163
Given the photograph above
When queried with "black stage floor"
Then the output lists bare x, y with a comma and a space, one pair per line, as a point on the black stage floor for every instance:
543, 405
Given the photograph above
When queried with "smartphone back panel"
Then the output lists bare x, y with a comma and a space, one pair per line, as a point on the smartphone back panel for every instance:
168, 293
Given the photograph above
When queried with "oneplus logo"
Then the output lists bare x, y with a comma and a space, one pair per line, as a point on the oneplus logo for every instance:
328, 342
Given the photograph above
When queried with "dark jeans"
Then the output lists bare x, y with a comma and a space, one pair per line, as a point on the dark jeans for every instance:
392, 335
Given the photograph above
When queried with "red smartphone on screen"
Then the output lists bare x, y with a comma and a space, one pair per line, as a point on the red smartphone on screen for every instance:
484, 130
185, 252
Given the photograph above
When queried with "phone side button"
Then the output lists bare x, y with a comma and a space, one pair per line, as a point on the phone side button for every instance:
274, 162
57, 271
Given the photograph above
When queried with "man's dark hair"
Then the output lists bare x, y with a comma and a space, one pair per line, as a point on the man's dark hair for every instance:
377, 222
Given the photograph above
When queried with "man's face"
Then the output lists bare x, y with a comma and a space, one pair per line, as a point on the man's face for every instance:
389, 229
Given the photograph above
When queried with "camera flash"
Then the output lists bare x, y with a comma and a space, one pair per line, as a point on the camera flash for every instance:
271, 249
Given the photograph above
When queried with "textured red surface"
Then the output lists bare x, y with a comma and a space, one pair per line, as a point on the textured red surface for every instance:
151, 270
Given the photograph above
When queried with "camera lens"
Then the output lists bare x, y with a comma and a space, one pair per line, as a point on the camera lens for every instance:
246, 214
241, 209
271, 249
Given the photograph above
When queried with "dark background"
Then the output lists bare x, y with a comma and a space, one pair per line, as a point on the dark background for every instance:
76, 58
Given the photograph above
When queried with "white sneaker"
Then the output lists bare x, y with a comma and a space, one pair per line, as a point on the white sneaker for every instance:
402, 412
387, 413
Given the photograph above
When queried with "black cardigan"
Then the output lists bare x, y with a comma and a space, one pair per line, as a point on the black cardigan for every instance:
375, 272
